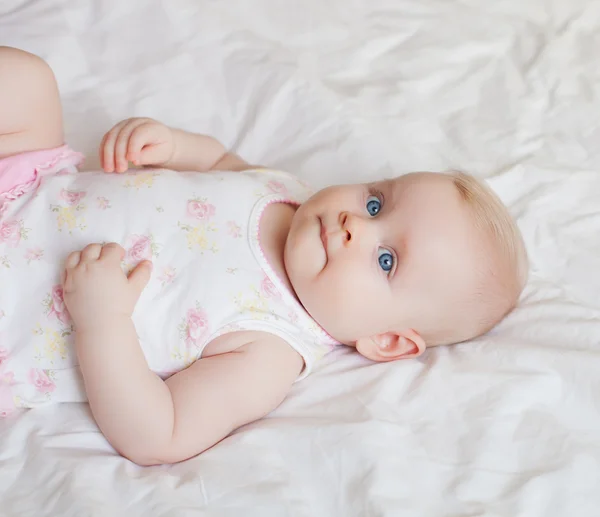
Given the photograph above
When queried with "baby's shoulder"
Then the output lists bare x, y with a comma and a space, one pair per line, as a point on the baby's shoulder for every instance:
275, 351
246, 339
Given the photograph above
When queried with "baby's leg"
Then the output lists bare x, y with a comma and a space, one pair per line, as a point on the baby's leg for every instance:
30, 111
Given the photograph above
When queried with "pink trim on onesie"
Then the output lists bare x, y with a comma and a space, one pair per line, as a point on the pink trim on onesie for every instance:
22, 172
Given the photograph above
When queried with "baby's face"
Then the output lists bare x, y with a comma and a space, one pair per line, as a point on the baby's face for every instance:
382, 257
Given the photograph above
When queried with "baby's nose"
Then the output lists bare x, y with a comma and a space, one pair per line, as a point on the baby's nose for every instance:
352, 227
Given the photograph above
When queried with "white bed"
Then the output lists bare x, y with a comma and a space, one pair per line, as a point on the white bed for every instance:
340, 91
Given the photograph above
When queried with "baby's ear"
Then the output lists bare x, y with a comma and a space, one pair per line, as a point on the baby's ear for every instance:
390, 346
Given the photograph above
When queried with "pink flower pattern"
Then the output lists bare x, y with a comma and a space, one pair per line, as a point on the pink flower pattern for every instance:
10, 232
167, 275
200, 210
57, 307
33, 254
277, 187
41, 381
268, 288
72, 197
139, 247
103, 203
3, 355
234, 230
196, 327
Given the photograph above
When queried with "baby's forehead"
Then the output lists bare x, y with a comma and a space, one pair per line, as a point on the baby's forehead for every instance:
423, 193
422, 180
430, 221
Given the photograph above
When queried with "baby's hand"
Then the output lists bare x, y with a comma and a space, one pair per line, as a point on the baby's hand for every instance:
96, 291
142, 141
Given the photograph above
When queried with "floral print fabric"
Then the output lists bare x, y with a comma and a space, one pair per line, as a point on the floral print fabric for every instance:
210, 277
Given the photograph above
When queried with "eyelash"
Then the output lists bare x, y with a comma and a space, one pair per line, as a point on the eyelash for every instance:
378, 194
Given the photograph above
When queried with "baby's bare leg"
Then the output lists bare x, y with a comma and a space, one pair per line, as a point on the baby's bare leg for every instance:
30, 111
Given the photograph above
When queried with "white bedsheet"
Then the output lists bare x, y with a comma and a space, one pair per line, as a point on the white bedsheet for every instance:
345, 90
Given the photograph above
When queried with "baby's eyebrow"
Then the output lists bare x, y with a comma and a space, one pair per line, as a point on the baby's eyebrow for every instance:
388, 186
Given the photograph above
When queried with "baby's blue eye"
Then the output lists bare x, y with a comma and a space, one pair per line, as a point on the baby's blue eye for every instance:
373, 205
386, 260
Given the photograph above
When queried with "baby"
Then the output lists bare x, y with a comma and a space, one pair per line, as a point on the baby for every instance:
195, 300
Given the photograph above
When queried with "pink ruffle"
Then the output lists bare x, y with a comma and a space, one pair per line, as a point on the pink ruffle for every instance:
21, 173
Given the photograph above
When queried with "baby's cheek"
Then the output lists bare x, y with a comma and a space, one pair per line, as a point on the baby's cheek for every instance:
350, 288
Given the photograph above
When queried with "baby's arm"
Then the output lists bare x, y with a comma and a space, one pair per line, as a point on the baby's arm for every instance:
148, 420
143, 141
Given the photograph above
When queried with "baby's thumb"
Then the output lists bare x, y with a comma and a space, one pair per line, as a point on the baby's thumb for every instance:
153, 154
140, 276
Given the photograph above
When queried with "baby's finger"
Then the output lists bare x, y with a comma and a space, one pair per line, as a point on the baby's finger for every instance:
101, 150
153, 154
112, 252
122, 143
107, 147
140, 276
140, 139
91, 252
66, 280
73, 260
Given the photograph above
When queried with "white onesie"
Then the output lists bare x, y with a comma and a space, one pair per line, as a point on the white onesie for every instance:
210, 276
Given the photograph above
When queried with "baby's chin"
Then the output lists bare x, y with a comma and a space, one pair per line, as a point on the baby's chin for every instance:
304, 257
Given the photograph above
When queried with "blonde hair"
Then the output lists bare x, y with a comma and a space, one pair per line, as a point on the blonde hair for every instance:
504, 271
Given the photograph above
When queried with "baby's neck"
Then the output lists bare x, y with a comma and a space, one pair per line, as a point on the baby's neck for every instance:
275, 226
